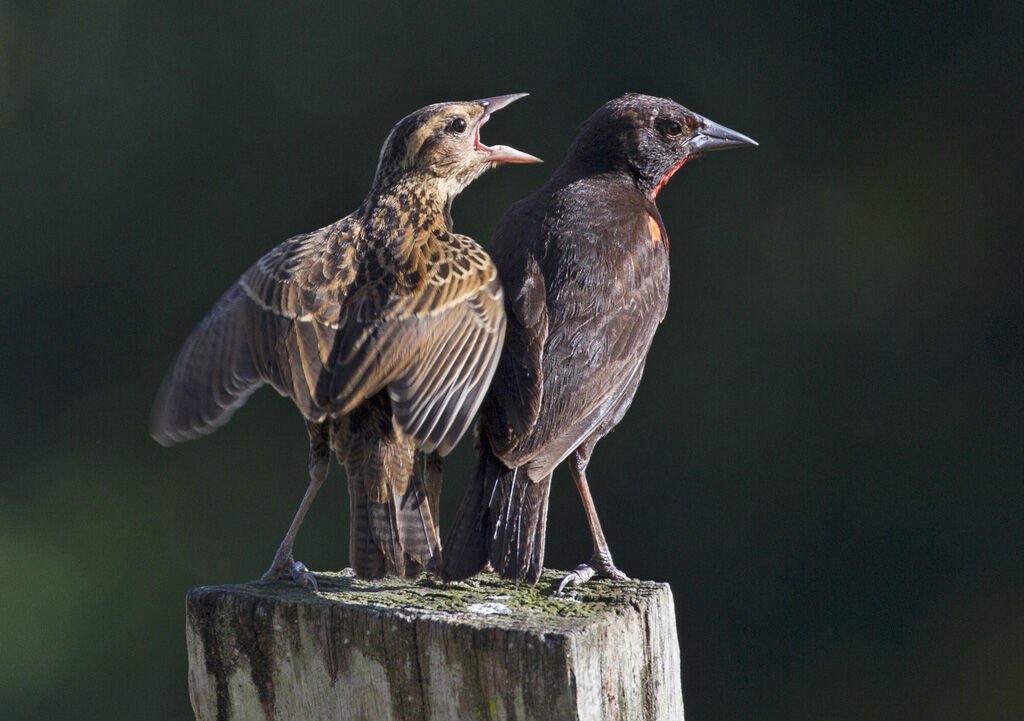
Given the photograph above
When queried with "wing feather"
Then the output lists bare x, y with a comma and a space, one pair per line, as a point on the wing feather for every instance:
429, 411
212, 376
299, 321
270, 327
512, 410
433, 348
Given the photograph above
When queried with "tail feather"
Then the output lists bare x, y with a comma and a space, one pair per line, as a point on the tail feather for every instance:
366, 553
393, 529
516, 545
502, 519
433, 479
465, 548
417, 529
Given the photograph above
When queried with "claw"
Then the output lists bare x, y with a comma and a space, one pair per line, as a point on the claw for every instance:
579, 575
291, 569
600, 567
303, 576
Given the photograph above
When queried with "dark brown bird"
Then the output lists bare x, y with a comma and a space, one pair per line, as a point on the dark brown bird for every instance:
384, 328
584, 264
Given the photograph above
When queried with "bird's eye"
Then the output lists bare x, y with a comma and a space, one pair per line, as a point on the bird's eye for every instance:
673, 128
457, 125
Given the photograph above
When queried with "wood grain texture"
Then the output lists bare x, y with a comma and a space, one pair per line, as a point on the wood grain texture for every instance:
412, 651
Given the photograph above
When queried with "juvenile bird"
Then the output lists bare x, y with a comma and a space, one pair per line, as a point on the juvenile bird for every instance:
584, 265
384, 328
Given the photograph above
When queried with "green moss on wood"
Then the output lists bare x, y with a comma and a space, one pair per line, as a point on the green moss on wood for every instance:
524, 604
428, 594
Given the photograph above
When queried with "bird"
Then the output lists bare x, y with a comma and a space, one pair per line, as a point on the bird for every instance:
384, 328
584, 263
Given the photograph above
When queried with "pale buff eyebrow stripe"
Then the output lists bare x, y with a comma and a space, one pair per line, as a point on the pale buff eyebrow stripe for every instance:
416, 141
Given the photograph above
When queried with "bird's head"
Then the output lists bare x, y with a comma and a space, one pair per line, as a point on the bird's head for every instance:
649, 138
439, 146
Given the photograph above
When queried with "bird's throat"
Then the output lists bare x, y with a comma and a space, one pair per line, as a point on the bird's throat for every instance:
668, 175
407, 205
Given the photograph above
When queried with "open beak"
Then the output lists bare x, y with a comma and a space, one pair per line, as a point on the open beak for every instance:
499, 153
712, 136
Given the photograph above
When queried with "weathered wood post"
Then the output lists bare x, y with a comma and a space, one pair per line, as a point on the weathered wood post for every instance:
415, 651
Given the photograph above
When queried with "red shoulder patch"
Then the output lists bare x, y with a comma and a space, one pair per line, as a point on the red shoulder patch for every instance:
656, 235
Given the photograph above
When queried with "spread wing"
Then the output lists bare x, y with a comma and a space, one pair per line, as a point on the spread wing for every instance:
330, 329
275, 325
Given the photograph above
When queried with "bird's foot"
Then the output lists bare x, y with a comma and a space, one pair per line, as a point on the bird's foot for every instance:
600, 566
288, 567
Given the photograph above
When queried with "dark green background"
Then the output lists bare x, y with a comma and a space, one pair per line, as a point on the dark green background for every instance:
825, 456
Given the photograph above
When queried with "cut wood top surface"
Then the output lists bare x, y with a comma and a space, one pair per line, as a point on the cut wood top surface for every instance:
485, 600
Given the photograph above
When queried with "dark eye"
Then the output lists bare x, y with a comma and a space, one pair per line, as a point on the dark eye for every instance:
673, 128
457, 125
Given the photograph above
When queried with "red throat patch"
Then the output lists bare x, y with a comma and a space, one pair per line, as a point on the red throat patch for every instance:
669, 174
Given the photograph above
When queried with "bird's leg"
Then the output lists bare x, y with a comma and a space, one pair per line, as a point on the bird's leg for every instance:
600, 563
284, 564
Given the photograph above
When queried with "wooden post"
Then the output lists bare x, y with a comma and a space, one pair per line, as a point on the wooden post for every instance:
412, 651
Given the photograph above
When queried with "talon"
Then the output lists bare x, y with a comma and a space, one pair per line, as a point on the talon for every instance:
596, 566
303, 576
288, 568
579, 575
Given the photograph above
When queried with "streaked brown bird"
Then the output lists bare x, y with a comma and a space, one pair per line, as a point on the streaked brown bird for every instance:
384, 328
584, 265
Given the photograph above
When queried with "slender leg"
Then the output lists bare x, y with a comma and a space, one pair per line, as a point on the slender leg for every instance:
601, 562
284, 564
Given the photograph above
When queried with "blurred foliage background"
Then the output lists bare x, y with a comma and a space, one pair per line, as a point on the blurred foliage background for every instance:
825, 458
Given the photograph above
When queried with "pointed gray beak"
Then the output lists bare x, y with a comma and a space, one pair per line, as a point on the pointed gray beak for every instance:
498, 102
712, 136
499, 153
